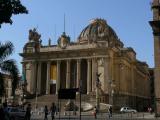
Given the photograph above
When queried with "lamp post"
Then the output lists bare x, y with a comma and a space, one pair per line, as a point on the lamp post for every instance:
97, 98
98, 85
80, 83
24, 84
135, 95
36, 83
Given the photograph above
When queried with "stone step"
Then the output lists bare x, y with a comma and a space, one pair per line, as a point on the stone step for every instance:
49, 99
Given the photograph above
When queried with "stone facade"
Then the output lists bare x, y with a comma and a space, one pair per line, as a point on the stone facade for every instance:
124, 80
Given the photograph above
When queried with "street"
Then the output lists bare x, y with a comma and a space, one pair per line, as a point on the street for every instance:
100, 116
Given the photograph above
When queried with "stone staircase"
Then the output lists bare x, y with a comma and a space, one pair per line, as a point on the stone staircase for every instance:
49, 99
43, 100
87, 101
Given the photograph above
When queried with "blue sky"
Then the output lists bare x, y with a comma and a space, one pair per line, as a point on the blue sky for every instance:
129, 19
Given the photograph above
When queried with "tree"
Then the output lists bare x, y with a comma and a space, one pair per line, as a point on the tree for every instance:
10, 7
8, 66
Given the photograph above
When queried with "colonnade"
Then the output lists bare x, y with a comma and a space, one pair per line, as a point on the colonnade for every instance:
92, 69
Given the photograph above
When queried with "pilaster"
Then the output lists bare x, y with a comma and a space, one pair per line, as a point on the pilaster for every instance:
89, 76
68, 77
33, 77
39, 78
94, 73
58, 76
78, 72
106, 75
48, 77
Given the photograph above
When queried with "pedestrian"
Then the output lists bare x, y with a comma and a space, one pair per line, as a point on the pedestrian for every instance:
1, 113
95, 112
28, 112
53, 110
151, 110
110, 111
6, 113
45, 112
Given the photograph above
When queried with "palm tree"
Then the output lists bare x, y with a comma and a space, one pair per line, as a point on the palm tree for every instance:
8, 66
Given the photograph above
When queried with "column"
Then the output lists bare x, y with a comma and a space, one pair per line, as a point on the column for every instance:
78, 72
39, 78
58, 77
107, 78
48, 77
68, 77
9, 88
33, 77
157, 74
94, 72
89, 76
109, 82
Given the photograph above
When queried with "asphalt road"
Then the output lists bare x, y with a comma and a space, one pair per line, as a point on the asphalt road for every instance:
100, 116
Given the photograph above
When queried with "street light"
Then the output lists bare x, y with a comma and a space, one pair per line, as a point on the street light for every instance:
98, 85
80, 85
23, 85
36, 83
135, 95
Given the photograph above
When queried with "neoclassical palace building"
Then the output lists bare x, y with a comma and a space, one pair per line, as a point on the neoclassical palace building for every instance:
124, 80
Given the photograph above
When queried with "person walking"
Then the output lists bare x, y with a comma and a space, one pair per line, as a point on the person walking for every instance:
95, 112
45, 112
28, 112
1, 113
6, 113
53, 110
110, 112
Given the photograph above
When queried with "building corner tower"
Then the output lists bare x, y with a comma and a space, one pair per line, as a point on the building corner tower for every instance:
155, 24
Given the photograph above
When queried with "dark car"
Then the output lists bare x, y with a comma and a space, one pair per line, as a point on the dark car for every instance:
16, 114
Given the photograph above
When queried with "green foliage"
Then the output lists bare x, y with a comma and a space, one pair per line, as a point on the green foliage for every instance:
10, 7
8, 66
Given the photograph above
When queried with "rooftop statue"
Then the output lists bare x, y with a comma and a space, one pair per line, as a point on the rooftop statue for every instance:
63, 40
34, 35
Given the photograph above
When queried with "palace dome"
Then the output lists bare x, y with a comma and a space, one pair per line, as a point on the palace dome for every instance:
97, 30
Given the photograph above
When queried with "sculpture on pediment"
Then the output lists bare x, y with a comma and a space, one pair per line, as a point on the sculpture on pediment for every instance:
34, 35
63, 41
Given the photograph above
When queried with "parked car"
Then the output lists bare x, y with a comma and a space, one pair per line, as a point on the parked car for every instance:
127, 110
16, 114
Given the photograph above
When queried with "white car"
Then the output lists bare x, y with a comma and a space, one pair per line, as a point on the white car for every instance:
127, 110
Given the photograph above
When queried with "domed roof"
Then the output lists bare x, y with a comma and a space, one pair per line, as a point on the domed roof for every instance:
97, 30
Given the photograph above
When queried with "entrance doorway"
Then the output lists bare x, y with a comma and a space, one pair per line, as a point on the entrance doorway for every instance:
52, 88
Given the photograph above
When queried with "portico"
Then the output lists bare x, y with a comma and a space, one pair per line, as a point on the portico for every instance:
55, 74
